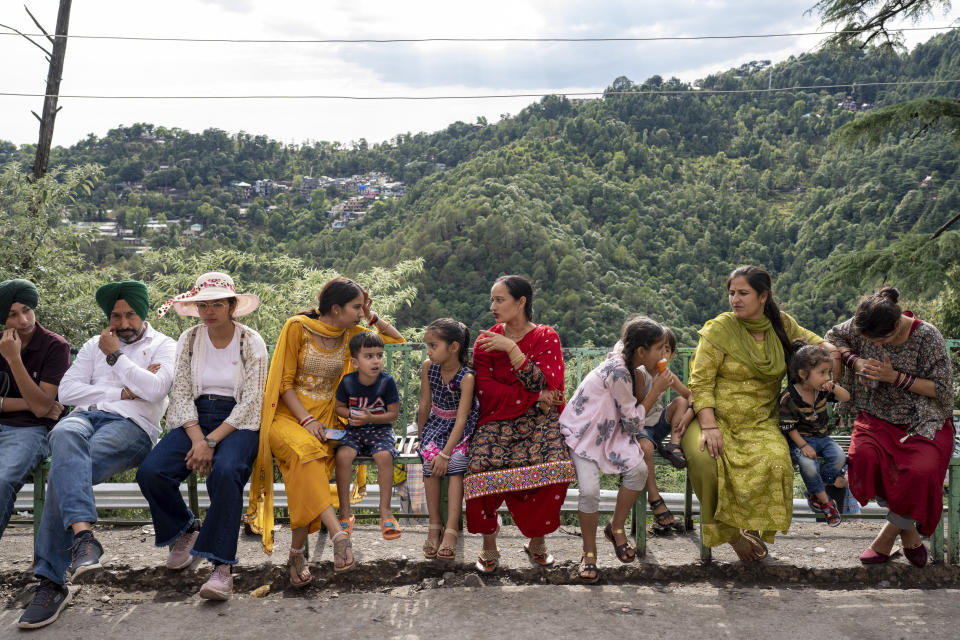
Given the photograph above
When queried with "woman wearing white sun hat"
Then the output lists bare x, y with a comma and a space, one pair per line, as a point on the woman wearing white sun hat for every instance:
212, 428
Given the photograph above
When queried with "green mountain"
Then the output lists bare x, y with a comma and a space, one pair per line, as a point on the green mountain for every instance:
622, 205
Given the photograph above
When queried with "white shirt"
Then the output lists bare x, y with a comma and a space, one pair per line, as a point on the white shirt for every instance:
653, 416
221, 366
91, 381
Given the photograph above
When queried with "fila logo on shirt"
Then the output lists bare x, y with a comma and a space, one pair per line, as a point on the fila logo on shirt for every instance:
375, 407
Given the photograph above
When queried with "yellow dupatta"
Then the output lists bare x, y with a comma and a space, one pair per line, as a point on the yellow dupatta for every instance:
260, 510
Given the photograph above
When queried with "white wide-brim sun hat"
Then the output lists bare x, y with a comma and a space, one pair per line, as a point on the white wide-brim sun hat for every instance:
210, 286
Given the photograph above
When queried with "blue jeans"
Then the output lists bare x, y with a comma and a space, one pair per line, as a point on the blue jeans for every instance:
814, 475
164, 469
657, 432
86, 448
21, 449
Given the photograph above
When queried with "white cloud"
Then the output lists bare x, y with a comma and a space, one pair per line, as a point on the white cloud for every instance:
171, 68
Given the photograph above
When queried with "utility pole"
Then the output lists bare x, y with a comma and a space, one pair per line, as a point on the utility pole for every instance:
54, 75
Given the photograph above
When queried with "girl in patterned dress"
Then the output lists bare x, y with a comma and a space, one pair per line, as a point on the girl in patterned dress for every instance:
446, 418
600, 426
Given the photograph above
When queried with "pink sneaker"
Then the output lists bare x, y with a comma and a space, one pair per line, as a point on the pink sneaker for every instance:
219, 586
180, 557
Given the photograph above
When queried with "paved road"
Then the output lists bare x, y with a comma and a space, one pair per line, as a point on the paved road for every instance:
695, 611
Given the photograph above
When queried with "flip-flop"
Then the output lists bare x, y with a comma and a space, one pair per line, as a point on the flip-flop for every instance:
488, 560
389, 529
343, 540
430, 549
539, 555
296, 558
758, 545
347, 525
445, 551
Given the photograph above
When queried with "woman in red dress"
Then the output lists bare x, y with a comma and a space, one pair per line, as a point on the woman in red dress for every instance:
517, 453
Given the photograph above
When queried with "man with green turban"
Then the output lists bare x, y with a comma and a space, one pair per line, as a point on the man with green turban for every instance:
118, 385
32, 362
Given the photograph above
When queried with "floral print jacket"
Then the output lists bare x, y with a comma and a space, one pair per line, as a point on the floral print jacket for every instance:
603, 419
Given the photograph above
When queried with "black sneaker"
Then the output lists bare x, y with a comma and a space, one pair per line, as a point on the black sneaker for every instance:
49, 599
84, 555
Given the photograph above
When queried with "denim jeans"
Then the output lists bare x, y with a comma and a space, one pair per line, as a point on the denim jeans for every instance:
86, 448
21, 449
164, 469
815, 475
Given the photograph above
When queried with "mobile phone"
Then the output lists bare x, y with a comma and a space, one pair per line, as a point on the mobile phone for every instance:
334, 434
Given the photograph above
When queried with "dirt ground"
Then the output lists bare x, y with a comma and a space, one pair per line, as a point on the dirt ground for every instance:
811, 554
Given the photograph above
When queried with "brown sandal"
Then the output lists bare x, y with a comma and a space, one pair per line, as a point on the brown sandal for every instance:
625, 553
588, 566
757, 544
342, 543
539, 555
430, 549
488, 560
448, 552
300, 575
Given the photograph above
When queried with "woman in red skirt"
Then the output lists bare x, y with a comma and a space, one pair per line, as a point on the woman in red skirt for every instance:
517, 453
903, 434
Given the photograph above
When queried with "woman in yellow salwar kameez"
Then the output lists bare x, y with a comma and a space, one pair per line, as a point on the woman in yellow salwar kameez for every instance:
310, 358
738, 460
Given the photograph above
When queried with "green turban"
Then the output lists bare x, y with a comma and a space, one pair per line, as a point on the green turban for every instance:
22, 291
133, 291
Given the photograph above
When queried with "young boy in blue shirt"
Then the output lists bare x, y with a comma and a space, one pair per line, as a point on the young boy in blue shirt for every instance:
368, 400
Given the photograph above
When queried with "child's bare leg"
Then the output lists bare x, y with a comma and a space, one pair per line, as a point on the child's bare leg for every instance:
625, 501
454, 502
588, 529
344, 460
431, 486
646, 445
384, 460
672, 409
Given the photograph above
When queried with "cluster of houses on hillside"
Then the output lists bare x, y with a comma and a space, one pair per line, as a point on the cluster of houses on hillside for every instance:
850, 104
361, 191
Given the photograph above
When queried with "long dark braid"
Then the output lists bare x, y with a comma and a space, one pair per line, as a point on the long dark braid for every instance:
637, 332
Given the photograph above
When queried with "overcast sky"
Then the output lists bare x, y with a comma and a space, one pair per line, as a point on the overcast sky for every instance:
105, 67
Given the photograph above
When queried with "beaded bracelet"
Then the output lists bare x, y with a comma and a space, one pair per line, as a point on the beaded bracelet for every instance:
443, 455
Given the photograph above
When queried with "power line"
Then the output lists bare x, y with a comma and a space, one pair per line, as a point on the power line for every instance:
645, 92
470, 40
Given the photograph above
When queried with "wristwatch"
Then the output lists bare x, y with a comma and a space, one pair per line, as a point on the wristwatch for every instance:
113, 357
211, 443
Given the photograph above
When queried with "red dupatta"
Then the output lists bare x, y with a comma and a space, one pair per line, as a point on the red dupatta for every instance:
502, 396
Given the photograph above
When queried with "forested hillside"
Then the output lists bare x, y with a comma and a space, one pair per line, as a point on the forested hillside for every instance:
625, 204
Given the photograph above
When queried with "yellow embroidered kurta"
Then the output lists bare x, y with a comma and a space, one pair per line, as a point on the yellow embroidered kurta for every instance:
750, 486
306, 463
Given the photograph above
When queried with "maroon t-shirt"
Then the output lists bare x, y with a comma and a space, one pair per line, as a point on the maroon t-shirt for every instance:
46, 358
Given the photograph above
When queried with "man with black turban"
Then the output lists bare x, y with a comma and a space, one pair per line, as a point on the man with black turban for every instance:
118, 385
32, 361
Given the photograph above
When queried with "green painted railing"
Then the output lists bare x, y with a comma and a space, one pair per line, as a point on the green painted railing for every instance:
404, 360
403, 363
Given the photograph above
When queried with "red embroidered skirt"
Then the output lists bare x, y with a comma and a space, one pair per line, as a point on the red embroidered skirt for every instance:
908, 475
